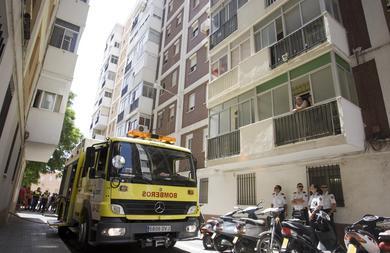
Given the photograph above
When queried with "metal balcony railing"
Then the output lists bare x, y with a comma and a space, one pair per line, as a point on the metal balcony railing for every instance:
2, 40
223, 145
311, 123
294, 44
269, 2
128, 67
224, 31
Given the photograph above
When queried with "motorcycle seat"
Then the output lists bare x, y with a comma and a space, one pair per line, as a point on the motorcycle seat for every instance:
260, 222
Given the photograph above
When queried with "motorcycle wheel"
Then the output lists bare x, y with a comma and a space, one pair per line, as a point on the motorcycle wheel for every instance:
242, 247
218, 244
207, 242
263, 244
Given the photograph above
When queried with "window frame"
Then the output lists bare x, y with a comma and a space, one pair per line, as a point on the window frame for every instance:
193, 62
191, 102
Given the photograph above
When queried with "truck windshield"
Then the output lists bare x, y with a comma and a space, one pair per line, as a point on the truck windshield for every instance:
154, 165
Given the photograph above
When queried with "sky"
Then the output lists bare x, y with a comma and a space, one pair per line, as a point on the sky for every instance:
102, 16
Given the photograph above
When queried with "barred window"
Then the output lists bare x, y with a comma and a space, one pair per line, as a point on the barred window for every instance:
329, 175
203, 190
246, 189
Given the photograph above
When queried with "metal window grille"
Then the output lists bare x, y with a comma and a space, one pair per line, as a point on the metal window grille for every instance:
203, 190
269, 2
329, 175
246, 189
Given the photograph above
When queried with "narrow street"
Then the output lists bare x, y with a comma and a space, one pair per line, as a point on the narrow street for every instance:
28, 232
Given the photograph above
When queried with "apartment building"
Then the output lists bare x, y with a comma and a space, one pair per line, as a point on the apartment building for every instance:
182, 76
108, 72
332, 53
38, 44
134, 91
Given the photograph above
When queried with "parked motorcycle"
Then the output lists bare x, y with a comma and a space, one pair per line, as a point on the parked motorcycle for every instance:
207, 229
225, 230
320, 237
270, 240
371, 234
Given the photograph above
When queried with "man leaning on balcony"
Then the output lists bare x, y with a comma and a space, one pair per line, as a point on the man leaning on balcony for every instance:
300, 104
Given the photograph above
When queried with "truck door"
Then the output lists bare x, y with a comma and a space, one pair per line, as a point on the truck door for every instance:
97, 177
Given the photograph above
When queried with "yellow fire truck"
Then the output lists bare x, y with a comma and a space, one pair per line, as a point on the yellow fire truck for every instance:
139, 188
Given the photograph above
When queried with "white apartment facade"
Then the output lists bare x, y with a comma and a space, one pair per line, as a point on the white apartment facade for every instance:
38, 44
108, 72
134, 91
265, 53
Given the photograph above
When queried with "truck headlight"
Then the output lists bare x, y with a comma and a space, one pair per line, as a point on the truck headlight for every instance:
191, 228
114, 231
117, 209
192, 210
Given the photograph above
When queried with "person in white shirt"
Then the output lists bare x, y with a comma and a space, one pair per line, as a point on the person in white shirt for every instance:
279, 200
315, 201
329, 202
299, 203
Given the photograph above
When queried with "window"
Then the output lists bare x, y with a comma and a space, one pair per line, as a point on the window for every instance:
189, 139
194, 3
191, 102
111, 75
293, 19
179, 19
159, 119
322, 84
219, 67
174, 78
165, 57
114, 59
246, 189
205, 137
64, 35
280, 99
171, 112
203, 190
168, 30
5, 107
48, 101
215, 23
11, 151
148, 91
347, 84
264, 104
176, 47
310, 10
193, 62
170, 6
195, 29
332, 6
240, 53
107, 94
330, 176
163, 86
116, 44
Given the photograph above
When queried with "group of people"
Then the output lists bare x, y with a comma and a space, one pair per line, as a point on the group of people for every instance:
305, 205
36, 200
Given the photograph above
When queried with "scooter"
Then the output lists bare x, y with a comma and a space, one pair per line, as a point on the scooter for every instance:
370, 234
257, 235
320, 237
225, 230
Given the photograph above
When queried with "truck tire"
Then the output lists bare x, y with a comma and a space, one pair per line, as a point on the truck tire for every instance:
84, 232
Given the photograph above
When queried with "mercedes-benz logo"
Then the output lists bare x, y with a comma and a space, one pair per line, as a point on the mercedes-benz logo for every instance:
159, 207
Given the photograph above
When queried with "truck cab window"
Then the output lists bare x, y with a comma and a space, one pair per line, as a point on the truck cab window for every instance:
101, 161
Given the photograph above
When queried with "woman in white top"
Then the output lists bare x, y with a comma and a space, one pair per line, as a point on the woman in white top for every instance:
315, 201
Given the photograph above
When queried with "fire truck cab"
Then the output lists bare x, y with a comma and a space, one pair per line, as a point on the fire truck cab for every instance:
139, 188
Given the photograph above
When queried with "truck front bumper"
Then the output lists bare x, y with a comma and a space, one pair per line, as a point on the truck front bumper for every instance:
116, 231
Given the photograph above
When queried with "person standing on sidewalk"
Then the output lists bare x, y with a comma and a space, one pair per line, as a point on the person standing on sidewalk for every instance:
29, 197
22, 200
279, 201
299, 202
44, 198
329, 203
35, 198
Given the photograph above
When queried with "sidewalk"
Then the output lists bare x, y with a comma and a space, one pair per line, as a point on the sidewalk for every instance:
30, 234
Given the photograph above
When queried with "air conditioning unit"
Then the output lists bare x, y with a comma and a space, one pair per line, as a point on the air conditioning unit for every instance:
205, 26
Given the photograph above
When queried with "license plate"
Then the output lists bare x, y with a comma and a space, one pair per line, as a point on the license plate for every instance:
235, 240
285, 243
213, 236
351, 248
154, 229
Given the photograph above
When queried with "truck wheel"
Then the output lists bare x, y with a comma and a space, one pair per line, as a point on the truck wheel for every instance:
83, 235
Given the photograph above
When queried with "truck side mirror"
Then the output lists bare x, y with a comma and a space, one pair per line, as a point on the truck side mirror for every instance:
195, 163
90, 157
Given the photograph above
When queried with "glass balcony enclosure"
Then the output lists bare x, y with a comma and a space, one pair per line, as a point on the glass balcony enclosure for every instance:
319, 82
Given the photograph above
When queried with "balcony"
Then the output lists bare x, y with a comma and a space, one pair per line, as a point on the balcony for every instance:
227, 81
332, 128
298, 42
224, 145
223, 32
101, 122
312, 123
124, 91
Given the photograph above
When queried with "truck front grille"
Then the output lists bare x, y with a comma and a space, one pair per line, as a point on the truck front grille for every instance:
153, 207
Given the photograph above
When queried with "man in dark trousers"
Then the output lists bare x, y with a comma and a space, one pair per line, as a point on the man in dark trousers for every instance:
35, 198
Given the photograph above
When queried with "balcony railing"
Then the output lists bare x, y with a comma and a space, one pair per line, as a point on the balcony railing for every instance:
294, 44
224, 145
269, 2
311, 123
224, 31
